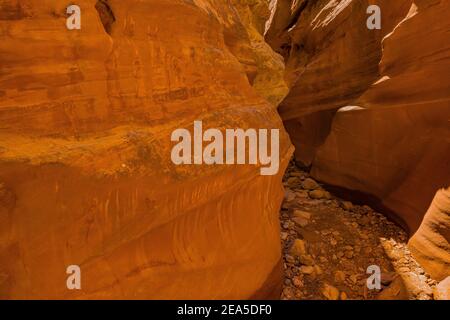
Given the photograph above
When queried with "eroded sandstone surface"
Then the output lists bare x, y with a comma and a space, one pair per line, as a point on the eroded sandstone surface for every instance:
85, 171
269, 81
86, 177
431, 243
369, 110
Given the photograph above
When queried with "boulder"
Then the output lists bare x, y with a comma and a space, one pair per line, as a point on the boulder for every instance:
319, 194
310, 184
298, 248
330, 292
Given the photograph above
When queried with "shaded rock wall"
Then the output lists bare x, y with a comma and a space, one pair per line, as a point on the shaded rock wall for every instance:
398, 146
331, 59
85, 170
393, 144
269, 81
369, 111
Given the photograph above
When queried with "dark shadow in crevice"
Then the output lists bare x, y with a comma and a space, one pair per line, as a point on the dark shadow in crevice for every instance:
106, 15
296, 15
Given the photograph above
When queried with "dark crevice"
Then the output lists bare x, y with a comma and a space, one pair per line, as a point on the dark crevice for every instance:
106, 15
296, 15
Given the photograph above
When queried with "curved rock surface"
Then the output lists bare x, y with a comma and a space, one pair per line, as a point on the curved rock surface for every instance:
331, 59
369, 110
85, 169
368, 149
430, 245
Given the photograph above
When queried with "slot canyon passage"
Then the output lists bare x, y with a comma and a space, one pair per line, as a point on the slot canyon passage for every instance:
86, 176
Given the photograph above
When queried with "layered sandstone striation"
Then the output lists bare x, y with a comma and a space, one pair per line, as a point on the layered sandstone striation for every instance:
369, 110
85, 171
331, 59
431, 243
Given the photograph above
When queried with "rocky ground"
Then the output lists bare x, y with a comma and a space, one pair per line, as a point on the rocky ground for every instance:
328, 244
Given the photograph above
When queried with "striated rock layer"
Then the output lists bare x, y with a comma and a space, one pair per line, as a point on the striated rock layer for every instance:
85, 171
331, 59
369, 110
431, 243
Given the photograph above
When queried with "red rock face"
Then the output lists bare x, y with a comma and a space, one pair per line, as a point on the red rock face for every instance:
86, 176
430, 245
392, 139
331, 59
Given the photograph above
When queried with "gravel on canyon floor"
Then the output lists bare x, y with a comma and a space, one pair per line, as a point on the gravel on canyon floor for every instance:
329, 244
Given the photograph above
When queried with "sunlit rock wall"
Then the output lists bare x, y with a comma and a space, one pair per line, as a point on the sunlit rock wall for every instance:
85, 171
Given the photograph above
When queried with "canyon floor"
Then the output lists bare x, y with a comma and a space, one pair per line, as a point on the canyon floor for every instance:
328, 245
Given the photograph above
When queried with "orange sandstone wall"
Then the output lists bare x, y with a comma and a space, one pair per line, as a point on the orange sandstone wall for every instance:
369, 111
331, 59
85, 171
269, 81
430, 245
398, 146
